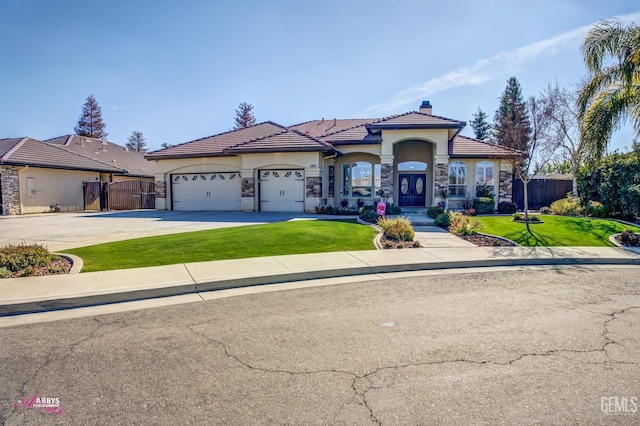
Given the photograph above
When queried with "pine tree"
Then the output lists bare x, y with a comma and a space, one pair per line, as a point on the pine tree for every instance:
90, 123
244, 116
137, 142
512, 126
480, 125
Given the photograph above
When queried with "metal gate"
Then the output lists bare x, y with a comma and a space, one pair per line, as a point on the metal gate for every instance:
122, 195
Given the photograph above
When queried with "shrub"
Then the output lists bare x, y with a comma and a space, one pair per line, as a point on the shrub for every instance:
5, 273
521, 217
507, 207
485, 191
595, 209
434, 211
545, 210
369, 216
443, 220
393, 209
400, 232
387, 222
471, 212
20, 257
628, 238
566, 206
462, 225
484, 205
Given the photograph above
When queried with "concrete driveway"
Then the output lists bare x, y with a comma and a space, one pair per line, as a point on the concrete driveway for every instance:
61, 231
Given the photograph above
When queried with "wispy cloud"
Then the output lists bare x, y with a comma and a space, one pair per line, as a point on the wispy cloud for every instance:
486, 69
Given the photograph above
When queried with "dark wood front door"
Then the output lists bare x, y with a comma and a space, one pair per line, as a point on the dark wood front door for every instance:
412, 189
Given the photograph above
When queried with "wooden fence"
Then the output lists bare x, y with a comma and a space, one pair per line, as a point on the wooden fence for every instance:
541, 192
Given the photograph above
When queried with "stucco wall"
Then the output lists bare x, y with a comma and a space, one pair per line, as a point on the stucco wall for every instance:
41, 188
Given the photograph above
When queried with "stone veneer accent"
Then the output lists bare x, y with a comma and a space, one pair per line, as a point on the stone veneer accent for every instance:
386, 180
506, 185
442, 179
314, 187
10, 190
248, 188
161, 189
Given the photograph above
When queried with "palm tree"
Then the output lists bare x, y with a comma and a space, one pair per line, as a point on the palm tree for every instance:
611, 53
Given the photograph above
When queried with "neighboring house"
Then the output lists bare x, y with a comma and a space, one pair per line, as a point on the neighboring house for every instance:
411, 158
36, 175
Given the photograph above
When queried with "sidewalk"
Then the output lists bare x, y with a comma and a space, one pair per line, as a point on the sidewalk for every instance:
34, 294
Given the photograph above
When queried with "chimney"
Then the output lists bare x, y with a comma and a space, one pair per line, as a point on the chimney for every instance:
334, 121
425, 107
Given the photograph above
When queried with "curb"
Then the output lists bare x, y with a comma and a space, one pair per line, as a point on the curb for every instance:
76, 262
195, 287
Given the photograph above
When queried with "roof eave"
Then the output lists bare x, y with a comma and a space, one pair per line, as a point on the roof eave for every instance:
191, 155
382, 126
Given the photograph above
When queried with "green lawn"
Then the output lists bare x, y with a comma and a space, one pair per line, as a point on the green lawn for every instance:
555, 231
229, 243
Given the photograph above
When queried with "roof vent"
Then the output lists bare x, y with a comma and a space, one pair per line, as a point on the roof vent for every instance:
104, 146
425, 107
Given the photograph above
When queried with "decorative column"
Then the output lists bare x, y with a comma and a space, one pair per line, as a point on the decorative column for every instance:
386, 178
505, 189
10, 190
441, 179
248, 189
313, 188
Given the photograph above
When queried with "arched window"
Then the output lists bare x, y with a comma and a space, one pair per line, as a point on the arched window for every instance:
412, 166
457, 179
485, 175
360, 179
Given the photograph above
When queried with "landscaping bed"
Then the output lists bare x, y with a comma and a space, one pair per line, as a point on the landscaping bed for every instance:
30, 261
628, 239
487, 241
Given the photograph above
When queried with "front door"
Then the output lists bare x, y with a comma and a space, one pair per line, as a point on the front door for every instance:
412, 189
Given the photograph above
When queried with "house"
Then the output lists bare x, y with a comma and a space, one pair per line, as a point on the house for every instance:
411, 158
35, 175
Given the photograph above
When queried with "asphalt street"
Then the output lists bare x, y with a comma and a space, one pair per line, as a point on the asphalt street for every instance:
526, 346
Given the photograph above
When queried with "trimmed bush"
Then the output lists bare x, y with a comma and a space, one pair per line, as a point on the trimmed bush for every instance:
25, 257
545, 210
443, 220
484, 205
400, 232
434, 211
521, 217
462, 225
507, 207
566, 207
369, 216
595, 209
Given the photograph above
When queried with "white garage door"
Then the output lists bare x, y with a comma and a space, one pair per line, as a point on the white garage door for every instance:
206, 191
281, 190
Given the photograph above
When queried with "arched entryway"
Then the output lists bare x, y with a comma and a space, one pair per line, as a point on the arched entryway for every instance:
413, 173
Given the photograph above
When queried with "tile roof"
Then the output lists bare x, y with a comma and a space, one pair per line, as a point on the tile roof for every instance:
133, 162
466, 147
415, 119
214, 146
320, 128
32, 152
287, 141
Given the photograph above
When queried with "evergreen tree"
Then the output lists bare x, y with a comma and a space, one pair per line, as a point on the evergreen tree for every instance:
90, 123
137, 142
480, 125
512, 126
244, 116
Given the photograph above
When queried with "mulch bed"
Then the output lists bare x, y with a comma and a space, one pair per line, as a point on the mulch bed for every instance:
486, 241
391, 244
62, 266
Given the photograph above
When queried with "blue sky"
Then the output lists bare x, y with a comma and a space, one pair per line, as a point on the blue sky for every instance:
176, 70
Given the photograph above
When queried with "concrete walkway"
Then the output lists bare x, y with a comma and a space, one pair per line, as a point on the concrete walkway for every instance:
33, 294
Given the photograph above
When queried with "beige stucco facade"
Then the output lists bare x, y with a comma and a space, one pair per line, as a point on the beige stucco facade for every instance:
41, 188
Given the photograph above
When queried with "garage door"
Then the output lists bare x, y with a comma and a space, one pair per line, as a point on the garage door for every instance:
206, 191
282, 190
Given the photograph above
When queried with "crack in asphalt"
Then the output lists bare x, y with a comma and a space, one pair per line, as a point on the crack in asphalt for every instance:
361, 384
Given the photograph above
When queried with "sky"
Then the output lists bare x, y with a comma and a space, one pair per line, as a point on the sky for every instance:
177, 70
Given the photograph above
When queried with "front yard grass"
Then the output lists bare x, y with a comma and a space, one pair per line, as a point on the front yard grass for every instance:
555, 231
229, 243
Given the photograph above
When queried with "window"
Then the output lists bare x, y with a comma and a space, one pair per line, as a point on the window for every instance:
360, 179
412, 166
484, 175
457, 179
